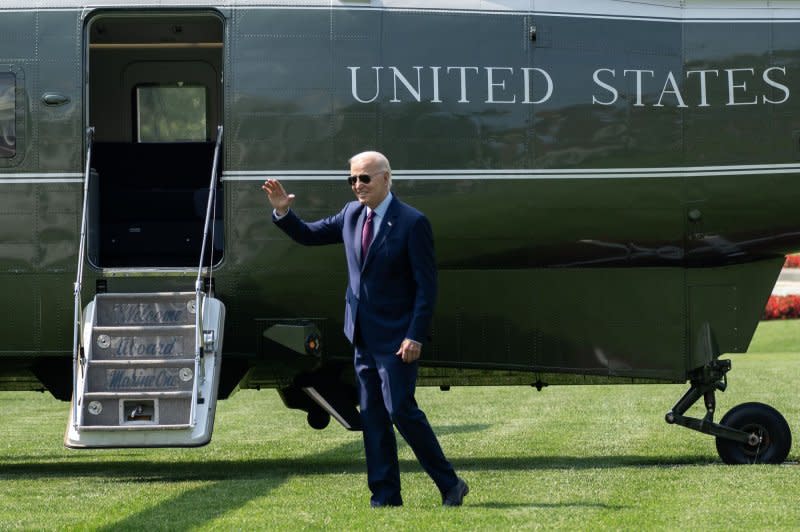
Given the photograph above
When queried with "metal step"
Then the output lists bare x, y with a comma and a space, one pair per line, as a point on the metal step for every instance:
143, 363
98, 428
140, 342
119, 376
160, 308
137, 395
137, 411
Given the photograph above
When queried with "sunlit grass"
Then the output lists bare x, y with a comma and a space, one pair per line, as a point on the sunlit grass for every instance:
576, 458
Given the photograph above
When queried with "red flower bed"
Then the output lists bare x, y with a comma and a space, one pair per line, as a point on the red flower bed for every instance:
792, 261
782, 308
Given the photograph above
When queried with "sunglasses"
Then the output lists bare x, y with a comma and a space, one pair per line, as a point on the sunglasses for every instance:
364, 178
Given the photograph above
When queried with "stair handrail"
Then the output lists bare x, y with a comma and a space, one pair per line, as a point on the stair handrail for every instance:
77, 332
198, 285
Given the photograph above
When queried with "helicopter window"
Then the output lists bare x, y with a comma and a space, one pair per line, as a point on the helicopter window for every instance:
170, 113
8, 126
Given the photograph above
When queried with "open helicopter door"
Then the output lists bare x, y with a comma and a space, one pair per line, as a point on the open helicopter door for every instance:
146, 361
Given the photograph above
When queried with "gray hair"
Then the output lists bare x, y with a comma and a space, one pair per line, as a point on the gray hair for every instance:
377, 157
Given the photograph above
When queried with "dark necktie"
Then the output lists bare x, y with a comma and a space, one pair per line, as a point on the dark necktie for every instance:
366, 235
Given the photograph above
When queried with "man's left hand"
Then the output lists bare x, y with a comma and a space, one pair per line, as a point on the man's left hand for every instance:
409, 351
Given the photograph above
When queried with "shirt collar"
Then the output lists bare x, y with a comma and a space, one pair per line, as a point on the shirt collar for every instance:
381, 209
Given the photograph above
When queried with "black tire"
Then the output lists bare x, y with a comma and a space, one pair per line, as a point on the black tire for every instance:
318, 419
768, 423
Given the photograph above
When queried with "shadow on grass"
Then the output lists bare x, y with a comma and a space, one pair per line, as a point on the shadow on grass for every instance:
141, 470
516, 505
196, 507
231, 484
519, 463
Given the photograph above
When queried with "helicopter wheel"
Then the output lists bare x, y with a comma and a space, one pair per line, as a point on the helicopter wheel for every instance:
760, 419
318, 419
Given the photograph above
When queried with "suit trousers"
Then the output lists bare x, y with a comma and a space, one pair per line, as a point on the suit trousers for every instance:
386, 398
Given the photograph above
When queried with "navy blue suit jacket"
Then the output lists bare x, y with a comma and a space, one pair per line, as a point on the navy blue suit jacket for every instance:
391, 294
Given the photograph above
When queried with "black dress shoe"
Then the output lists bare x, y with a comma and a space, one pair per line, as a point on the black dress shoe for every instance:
455, 497
379, 504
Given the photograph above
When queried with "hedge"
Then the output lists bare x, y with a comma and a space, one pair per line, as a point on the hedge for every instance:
782, 308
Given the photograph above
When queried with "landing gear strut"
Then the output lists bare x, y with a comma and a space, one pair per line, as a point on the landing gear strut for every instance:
750, 433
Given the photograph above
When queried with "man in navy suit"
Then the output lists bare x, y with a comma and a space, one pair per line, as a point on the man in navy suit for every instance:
389, 304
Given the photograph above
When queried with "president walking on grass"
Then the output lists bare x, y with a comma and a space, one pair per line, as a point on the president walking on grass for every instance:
389, 304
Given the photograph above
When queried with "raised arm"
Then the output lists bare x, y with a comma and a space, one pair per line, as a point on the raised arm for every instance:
325, 231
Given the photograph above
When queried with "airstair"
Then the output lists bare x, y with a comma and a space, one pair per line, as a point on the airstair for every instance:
146, 365
140, 382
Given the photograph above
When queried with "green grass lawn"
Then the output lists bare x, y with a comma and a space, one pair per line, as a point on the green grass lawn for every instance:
576, 458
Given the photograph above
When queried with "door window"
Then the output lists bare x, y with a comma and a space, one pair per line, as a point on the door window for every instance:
171, 113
